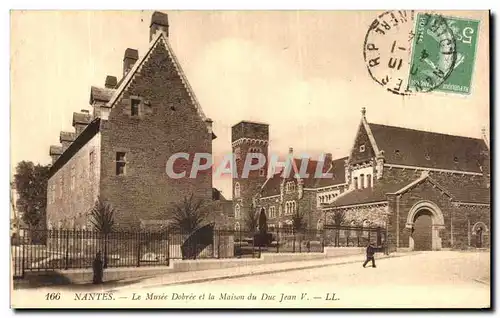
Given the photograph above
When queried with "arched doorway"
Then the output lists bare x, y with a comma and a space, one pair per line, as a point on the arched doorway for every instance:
479, 231
425, 220
422, 231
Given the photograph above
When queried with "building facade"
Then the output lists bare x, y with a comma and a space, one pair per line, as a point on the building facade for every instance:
429, 191
119, 150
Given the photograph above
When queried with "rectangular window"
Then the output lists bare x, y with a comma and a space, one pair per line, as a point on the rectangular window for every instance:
53, 193
134, 106
120, 163
60, 186
369, 180
73, 177
355, 180
362, 181
91, 163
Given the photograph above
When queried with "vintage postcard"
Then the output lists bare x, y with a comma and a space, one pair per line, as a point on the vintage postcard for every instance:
250, 159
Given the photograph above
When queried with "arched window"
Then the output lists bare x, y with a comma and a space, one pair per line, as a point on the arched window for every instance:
237, 226
237, 212
237, 190
355, 180
362, 181
369, 180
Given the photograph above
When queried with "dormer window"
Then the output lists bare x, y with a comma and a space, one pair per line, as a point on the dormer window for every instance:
362, 148
455, 159
397, 153
427, 157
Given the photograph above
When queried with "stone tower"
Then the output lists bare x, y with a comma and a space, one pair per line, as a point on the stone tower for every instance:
247, 137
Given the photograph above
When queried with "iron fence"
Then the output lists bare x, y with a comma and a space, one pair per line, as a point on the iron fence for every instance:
71, 249
353, 236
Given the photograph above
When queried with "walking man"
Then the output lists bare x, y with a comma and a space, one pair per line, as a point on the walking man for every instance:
97, 267
370, 252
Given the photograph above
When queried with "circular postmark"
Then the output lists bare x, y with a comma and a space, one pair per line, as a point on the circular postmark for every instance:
407, 54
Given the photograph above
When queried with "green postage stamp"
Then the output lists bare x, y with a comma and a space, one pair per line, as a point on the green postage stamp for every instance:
443, 55
407, 52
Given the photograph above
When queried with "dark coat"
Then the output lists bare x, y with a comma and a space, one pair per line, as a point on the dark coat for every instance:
97, 267
370, 251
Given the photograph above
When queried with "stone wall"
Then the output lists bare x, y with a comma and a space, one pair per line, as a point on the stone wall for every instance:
168, 123
68, 203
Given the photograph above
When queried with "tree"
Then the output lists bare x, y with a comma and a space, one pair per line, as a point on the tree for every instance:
102, 217
31, 185
251, 219
189, 214
298, 222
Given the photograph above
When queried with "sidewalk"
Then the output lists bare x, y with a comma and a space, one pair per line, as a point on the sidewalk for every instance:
252, 270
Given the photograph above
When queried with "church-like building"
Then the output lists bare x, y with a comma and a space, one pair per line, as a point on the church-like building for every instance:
431, 191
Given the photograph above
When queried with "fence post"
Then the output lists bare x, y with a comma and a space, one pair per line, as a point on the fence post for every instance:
138, 240
253, 245
168, 246
323, 233
218, 244
278, 240
67, 249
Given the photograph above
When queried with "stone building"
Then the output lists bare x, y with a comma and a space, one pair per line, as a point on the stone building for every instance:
119, 150
429, 190
285, 193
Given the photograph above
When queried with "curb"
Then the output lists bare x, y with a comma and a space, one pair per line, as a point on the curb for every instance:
207, 279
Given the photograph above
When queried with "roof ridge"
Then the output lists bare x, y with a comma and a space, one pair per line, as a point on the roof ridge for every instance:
159, 37
424, 131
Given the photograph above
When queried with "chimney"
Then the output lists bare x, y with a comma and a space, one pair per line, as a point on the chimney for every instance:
159, 22
66, 138
80, 121
55, 152
110, 82
131, 56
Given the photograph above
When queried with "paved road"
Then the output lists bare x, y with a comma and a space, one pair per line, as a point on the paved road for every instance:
430, 279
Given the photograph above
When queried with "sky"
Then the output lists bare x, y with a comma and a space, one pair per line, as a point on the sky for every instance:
303, 73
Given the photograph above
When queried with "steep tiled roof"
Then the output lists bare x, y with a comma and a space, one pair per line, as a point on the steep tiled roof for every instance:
338, 171
159, 39
471, 192
428, 149
101, 94
369, 195
272, 185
